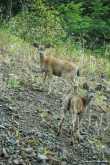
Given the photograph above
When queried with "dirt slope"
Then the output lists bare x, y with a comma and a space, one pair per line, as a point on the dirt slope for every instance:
29, 120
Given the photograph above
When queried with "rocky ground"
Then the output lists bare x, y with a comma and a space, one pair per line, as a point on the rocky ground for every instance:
29, 120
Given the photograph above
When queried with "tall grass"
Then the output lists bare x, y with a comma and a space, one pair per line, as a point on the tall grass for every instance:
21, 58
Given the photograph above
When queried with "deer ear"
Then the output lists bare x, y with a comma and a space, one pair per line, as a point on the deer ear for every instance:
36, 45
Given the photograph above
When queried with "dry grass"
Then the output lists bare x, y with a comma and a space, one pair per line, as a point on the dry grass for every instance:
21, 59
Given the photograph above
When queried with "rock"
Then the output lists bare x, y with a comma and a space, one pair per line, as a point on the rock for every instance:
106, 150
12, 141
18, 161
41, 158
100, 87
28, 150
2, 127
3, 153
54, 161
63, 163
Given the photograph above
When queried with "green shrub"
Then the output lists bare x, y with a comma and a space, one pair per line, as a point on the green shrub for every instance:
40, 24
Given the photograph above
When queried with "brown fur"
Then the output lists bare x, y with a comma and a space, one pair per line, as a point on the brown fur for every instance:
76, 106
51, 65
57, 66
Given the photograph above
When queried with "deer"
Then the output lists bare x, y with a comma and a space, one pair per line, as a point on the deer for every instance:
76, 105
51, 65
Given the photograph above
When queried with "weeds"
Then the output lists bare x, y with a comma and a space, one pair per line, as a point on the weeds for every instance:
12, 82
21, 59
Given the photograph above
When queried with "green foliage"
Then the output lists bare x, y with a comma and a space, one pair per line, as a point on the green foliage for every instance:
13, 83
41, 24
56, 22
72, 19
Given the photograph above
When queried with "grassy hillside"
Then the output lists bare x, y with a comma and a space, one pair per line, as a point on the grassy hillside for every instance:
29, 116
78, 31
24, 56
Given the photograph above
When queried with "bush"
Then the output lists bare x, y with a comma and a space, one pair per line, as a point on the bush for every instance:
57, 22
40, 24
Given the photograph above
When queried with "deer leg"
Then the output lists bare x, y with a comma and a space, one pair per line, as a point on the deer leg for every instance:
90, 115
74, 84
74, 118
50, 84
44, 72
64, 108
100, 124
44, 77
49, 73
61, 123
108, 121
80, 117
78, 124
78, 136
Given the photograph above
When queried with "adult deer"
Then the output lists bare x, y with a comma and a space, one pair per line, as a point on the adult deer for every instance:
51, 65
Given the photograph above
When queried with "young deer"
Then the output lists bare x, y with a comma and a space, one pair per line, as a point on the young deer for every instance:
51, 65
76, 105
